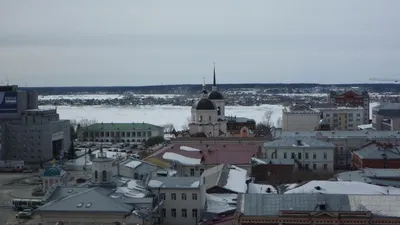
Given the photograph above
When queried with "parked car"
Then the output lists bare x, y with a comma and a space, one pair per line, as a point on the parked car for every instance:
24, 214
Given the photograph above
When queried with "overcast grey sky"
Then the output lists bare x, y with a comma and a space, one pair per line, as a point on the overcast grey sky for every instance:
132, 42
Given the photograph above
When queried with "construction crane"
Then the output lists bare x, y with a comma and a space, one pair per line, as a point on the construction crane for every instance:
385, 79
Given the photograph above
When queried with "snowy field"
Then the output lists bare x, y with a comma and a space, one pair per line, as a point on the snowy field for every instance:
156, 114
99, 96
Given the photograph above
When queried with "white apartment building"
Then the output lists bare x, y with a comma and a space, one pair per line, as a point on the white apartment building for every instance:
308, 153
343, 118
300, 117
182, 199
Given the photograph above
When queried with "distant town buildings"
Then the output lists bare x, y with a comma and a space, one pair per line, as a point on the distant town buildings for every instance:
300, 117
133, 133
351, 98
28, 133
386, 116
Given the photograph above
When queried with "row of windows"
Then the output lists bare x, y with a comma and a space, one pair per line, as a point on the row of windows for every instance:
183, 196
183, 213
314, 166
119, 134
118, 140
306, 155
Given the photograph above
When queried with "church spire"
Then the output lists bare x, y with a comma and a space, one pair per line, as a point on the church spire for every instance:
214, 87
204, 83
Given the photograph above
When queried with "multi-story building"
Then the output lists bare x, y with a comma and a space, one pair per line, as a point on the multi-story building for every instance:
134, 133
343, 118
308, 153
386, 116
310, 209
300, 117
182, 199
28, 133
345, 141
352, 98
240, 126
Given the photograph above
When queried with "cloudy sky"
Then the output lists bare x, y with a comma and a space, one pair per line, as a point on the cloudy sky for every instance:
132, 42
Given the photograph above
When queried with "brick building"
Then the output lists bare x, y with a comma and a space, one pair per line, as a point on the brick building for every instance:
377, 155
351, 98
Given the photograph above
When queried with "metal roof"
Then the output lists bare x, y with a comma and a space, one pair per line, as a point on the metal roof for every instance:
122, 127
293, 142
371, 134
373, 151
86, 200
271, 205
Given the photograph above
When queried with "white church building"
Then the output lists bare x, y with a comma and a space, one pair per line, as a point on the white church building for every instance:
208, 114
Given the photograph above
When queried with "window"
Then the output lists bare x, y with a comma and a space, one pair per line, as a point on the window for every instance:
164, 212
104, 176
194, 196
162, 196
299, 155
306, 155
173, 196
173, 213
141, 177
325, 166
194, 213
183, 195
201, 171
192, 172
314, 166
136, 176
292, 156
284, 155
96, 175
325, 155
184, 213
209, 118
314, 156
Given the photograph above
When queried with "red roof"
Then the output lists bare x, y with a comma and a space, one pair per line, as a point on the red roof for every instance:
213, 154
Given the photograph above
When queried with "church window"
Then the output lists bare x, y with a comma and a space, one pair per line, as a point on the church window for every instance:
96, 175
104, 176
219, 111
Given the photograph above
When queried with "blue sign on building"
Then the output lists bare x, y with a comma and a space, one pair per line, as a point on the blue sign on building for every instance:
8, 102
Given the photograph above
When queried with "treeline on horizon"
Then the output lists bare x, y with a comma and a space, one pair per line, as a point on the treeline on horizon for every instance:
193, 88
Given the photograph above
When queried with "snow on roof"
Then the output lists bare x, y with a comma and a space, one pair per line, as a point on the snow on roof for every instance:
133, 164
261, 189
219, 203
181, 159
132, 190
168, 172
257, 161
342, 187
195, 184
189, 149
237, 179
155, 183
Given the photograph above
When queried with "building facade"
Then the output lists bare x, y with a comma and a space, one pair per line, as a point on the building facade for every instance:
240, 126
308, 153
386, 117
345, 141
208, 114
181, 198
135, 133
377, 155
300, 117
344, 118
28, 133
352, 98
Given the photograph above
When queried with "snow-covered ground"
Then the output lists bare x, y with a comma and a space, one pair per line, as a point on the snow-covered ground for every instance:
100, 96
157, 114
177, 115
341, 187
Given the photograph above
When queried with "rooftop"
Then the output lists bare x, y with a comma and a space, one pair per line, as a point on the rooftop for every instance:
239, 119
377, 151
385, 177
208, 154
122, 127
272, 205
174, 182
229, 177
278, 133
299, 142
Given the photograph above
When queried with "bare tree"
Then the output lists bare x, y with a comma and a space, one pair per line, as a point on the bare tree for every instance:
185, 126
279, 122
168, 128
267, 118
86, 122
